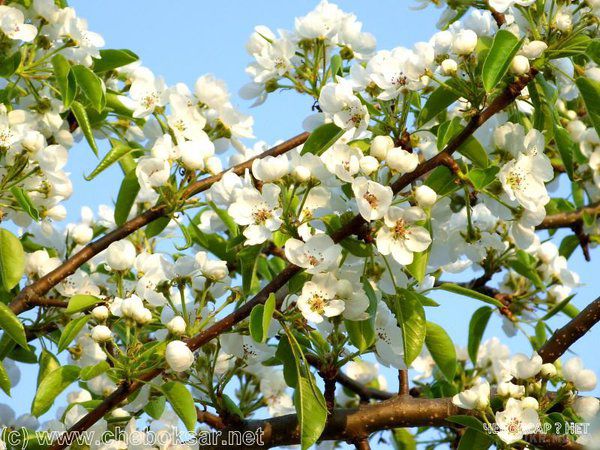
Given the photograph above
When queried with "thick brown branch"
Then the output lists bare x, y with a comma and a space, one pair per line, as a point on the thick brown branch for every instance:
566, 336
27, 297
227, 323
568, 219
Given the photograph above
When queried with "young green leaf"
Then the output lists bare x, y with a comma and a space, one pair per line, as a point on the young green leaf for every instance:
12, 326
503, 50
439, 100
117, 151
79, 302
477, 326
51, 386
442, 350
22, 198
65, 79
71, 330
89, 372
590, 91
4, 380
322, 138
126, 197
84, 123
111, 59
481, 178
256, 323
566, 147
474, 440
248, 257
182, 402
48, 363
410, 315
311, 410
460, 290
12, 259
157, 226
362, 332
91, 86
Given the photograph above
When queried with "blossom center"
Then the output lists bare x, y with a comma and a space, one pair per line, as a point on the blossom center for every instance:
261, 215
371, 199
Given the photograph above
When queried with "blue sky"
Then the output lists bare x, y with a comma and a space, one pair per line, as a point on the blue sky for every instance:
184, 39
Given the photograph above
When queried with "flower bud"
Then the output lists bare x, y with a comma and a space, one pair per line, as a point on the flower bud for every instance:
534, 49
100, 313
449, 67
213, 165
301, 173
586, 407
563, 21
120, 255
464, 42
369, 164
425, 196
57, 213
530, 402
380, 145
82, 233
519, 65
402, 161
191, 157
179, 356
176, 325
142, 316
101, 333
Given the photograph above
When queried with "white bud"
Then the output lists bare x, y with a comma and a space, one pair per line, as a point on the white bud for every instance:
142, 315
547, 252
464, 42
301, 173
530, 402
571, 115
120, 255
425, 196
176, 325
101, 333
402, 161
191, 157
585, 380
344, 289
213, 165
586, 407
100, 313
131, 305
380, 145
82, 233
519, 65
57, 213
449, 67
563, 21
33, 141
368, 164
179, 356
534, 49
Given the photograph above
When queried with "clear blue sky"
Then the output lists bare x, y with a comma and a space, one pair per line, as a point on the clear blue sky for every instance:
184, 39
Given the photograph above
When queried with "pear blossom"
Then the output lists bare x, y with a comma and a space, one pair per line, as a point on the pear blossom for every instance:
319, 298
343, 107
372, 198
400, 236
388, 345
476, 397
179, 356
258, 211
318, 254
12, 24
516, 420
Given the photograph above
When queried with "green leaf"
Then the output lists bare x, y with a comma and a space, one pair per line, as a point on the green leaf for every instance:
268, 311
126, 197
111, 59
568, 246
524, 264
84, 123
226, 219
231, 406
473, 150
566, 147
477, 327
4, 380
481, 178
403, 439
503, 50
118, 150
70, 331
52, 385
91, 86
474, 440
182, 402
80, 302
48, 363
65, 79
442, 349
256, 324
467, 421
336, 66
155, 407
574, 45
439, 100
248, 257
456, 289
311, 410
9, 65
593, 50
12, 259
590, 91
25, 202
89, 372
157, 226
286, 356
12, 326
441, 180
557, 308
322, 138
410, 315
